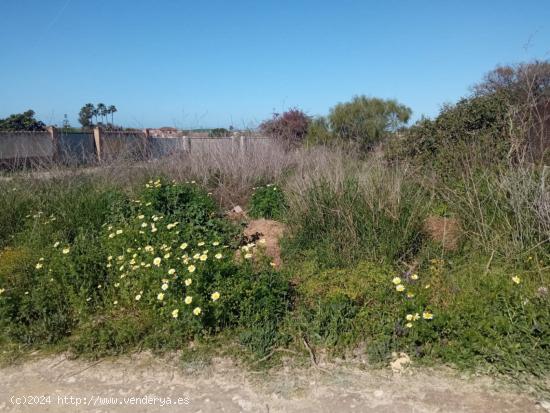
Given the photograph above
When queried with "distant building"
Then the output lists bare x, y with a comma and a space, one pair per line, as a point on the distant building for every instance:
166, 132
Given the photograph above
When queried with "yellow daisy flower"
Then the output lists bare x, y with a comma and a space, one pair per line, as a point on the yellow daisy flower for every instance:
215, 296
197, 311
426, 315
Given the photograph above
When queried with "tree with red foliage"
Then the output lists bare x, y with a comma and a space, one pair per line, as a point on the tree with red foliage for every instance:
290, 128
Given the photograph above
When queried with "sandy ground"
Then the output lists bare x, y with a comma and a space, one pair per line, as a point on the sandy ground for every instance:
141, 383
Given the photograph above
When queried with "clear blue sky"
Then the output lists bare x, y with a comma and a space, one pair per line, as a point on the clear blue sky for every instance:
213, 63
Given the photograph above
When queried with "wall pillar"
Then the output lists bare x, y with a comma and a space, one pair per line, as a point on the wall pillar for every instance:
97, 141
187, 144
146, 144
56, 149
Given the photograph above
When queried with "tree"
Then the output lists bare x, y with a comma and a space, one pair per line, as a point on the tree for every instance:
112, 109
367, 120
101, 111
218, 133
318, 132
525, 89
22, 122
86, 115
290, 128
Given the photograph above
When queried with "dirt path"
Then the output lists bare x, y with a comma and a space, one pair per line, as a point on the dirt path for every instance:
109, 385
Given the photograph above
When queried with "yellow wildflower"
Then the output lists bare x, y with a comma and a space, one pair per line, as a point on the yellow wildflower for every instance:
215, 296
197, 311
188, 282
188, 300
396, 280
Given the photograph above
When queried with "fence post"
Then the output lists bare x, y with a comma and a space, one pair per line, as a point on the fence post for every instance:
242, 143
97, 140
146, 144
54, 136
187, 144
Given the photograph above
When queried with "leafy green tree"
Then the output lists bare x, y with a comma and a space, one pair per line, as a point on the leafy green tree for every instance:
22, 122
86, 115
318, 132
367, 120
218, 133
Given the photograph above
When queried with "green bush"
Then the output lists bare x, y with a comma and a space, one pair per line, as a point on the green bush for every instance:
458, 313
218, 133
158, 271
267, 202
472, 131
366, 121
318, 132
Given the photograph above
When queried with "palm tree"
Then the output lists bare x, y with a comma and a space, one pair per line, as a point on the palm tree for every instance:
112, 109
101, 111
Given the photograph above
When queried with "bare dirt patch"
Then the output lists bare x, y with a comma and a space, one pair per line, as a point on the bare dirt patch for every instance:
270, 231
446, 231
223, 386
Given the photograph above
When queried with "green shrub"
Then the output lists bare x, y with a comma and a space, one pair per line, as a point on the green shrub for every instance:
472, 131
218, 133
159, 271
462, 313
366, 121
318, 132
267, 202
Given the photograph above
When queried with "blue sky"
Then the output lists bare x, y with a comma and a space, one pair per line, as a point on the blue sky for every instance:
214, 63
